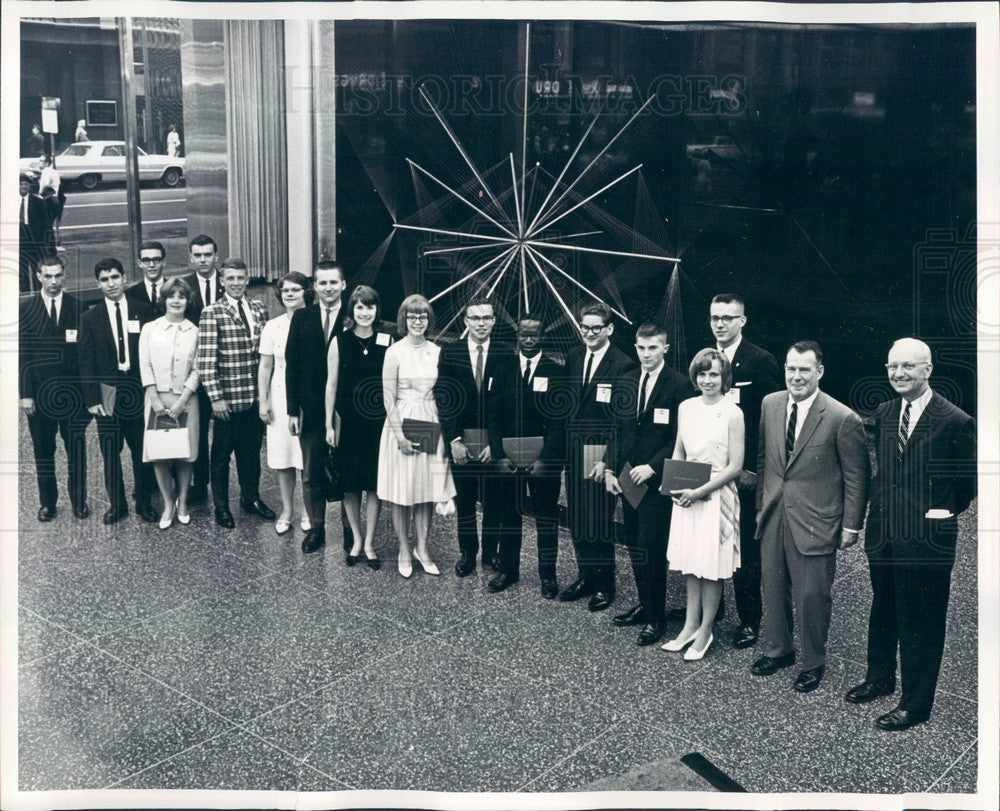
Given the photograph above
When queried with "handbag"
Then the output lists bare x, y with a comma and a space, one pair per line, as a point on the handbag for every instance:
166, 437
333, 481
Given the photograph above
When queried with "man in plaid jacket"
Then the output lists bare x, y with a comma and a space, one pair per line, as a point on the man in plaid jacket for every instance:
228, 358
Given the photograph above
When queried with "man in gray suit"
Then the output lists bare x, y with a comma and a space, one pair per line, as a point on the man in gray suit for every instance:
813, 474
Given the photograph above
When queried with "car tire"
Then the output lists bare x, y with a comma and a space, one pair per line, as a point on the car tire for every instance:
171, 177
90, 181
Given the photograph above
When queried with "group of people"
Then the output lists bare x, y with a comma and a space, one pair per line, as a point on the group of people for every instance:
785, 472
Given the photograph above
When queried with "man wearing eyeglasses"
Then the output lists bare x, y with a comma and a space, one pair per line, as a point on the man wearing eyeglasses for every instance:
151, 260
926, 478
755, 373
591, 373
469, 372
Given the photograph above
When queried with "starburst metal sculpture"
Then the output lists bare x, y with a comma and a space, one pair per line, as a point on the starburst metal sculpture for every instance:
514, 233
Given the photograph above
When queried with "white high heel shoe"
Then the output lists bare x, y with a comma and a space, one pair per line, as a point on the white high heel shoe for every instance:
405, 569
692, 654
680, 642
428, 564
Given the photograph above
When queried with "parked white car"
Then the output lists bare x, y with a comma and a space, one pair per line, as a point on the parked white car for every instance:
90, 163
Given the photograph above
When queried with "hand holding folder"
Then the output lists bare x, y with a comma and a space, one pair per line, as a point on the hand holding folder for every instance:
425, 434
679, 474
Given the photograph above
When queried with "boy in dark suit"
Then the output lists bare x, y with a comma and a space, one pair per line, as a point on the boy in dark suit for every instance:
152, 255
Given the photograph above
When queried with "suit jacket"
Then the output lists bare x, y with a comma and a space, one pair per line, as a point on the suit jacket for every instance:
228, 355
305, 363
755, 374
459, 404
37, 231
523, 410
197, 302
937, 470
138, 292
47, 355
644, 441
98, 354
823, 486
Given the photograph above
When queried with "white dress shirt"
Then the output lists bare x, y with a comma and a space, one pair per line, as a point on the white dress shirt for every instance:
598, 356
650, 385
803, 411
123, 306
211, 288
472, 353
730, 351
530, 363
47, 303
916, 409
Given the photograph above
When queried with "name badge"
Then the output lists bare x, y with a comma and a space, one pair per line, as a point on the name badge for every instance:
733, 394
134, 326
661, 416
71, 336
604, 392
383, 339
539, 384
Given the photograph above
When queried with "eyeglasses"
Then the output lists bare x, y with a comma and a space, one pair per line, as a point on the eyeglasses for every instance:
591, 330
416, 316
149, 260
906, 367
725, 320
479, 319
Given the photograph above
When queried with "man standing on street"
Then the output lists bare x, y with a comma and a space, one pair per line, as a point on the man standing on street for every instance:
33, 225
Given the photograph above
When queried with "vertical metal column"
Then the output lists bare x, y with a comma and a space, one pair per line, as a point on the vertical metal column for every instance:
300, 163
125, 57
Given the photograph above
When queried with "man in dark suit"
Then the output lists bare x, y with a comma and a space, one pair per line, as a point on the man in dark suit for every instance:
645, 403
591, 373
755, 373
49, 387
33, 226
112, 387
813, 473
206, 287
926, 478
523, 411
468, 376
311, 332
228, 359
151, 258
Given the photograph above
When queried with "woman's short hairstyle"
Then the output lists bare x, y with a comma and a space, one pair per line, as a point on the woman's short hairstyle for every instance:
362, 294
294, 277
170, 285
414, 303
702, 362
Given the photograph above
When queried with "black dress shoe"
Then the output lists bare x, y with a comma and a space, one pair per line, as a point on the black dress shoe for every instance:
46, 514
113, 516
636, 615
898, 720
224, 518
352, 560
581, 588
767, 665
549, 588
676, 615
869, 691
465, 566
745, 637
147, 513
258, 507
373, 563
198, 494
600, 601
649, 634
808, 680
501, 581
83, 511
314, 541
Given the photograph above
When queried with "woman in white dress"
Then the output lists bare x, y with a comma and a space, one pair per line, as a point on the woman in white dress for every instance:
704, 541
410, 480
283, 451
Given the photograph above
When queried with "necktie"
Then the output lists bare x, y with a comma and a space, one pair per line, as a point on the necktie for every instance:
327, 323
153, 295
479, 367
53, 313
588, 370
208, 293
121, 332
790, 433
243, 315
526, 377
904, 430
642, 395
24, 210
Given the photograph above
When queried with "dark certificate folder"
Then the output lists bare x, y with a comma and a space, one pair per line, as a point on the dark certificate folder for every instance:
633, 493
523, 451
425, 434
680, 475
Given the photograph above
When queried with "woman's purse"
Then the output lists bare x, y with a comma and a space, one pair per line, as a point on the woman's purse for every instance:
333, 480
167, 437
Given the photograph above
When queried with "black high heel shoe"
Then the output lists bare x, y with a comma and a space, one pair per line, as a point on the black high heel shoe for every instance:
351, 560
373, 563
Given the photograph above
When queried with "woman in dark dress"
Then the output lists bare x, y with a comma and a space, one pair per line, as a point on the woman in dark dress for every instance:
358, 413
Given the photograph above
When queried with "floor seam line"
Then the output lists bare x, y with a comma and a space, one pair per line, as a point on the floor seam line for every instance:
952, 765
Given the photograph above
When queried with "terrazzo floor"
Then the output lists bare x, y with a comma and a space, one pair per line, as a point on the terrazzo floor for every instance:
200, 658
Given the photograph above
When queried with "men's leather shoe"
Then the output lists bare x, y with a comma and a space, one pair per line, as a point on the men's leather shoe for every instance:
869, 691
600, 601
46, 514
314, 541
898, 720
649, 634
580, 588
501, 581
636, 615
465, 566
83, 511
113, 516
745, 637
198, 494
258, 507
224, 518
808, 680
147, 513
549, 589
767, 665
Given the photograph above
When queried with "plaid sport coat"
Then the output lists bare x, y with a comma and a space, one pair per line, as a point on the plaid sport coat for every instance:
228, 356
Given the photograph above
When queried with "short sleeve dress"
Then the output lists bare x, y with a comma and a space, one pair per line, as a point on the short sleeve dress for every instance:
705, 537
421, 477
360, 407
283, 450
